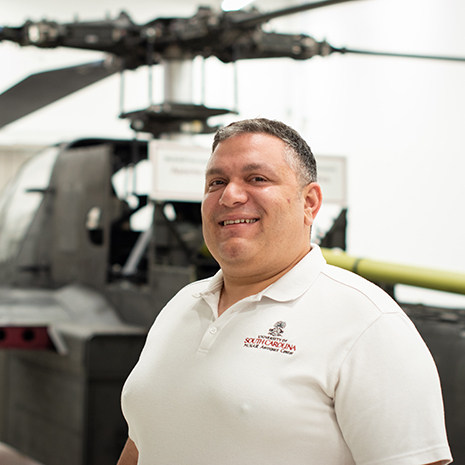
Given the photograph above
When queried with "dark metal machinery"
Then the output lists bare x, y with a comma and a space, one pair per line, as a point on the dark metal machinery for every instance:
73, 321
443, 330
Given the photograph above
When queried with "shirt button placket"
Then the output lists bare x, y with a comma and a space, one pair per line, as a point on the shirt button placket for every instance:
208, 339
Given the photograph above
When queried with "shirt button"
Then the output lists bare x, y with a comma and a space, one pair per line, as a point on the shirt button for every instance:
213, 330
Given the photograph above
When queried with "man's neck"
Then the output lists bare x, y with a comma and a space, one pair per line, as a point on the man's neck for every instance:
239, 286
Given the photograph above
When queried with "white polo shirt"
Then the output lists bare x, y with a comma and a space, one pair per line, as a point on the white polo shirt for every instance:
320, 368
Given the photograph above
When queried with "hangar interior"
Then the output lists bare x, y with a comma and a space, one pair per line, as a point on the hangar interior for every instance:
396, 122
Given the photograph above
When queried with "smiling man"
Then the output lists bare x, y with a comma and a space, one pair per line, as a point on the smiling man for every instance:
257, 213
279, 358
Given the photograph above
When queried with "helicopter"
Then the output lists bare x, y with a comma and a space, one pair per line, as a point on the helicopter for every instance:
94, 283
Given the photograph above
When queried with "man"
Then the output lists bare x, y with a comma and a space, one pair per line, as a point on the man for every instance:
279, 358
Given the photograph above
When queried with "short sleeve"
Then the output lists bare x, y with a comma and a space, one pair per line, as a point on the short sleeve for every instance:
388, 398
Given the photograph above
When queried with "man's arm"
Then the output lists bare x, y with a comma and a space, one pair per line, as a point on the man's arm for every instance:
130, 454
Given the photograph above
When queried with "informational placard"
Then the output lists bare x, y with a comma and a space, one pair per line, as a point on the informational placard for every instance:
179, 173
332, 176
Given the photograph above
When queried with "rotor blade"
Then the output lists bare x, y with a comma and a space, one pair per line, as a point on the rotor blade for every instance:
400, 55
41, 89
261, 18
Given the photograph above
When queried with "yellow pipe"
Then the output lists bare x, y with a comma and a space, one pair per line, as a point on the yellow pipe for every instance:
390, 273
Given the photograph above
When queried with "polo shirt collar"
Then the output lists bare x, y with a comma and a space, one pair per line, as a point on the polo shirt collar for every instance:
298, 279
290, 286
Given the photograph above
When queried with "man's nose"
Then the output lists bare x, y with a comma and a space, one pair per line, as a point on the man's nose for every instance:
233, 194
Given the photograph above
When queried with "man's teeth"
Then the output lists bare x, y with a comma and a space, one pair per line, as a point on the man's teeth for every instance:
226, 222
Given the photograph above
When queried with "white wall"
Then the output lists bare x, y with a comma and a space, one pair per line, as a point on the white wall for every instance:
399, 122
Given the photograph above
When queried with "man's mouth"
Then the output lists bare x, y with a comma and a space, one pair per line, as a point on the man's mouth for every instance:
238, 221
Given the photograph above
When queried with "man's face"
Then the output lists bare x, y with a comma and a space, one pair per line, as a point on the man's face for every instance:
256, 217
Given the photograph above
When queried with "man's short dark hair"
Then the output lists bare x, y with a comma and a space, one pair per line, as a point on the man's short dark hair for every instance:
300, 156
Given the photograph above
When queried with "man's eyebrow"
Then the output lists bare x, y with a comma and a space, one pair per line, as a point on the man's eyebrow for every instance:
245, 169
255, 166
213, 171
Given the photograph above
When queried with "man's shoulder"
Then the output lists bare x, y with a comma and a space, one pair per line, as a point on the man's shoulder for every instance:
349, 286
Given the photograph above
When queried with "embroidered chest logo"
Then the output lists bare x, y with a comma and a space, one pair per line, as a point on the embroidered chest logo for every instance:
273, 341
277, 329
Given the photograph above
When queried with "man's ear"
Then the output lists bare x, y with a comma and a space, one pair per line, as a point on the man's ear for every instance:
313, 198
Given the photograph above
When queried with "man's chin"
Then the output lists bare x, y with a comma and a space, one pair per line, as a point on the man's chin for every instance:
235, 254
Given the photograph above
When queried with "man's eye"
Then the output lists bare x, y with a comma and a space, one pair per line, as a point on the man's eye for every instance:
216, 183
258, 179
